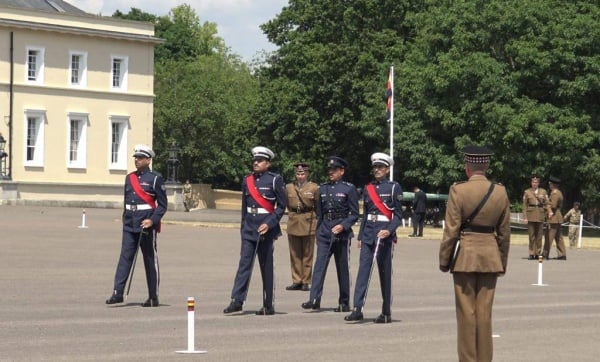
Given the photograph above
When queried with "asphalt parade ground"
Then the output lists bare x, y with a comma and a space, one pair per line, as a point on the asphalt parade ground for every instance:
56, 275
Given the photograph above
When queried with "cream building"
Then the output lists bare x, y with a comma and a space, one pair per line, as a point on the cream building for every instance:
76, 94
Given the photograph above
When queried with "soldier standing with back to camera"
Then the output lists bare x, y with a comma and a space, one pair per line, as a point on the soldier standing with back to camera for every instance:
145, 203
483, 253
263, 205
302, 197
534, 201
555, 219
337, 211
382, 214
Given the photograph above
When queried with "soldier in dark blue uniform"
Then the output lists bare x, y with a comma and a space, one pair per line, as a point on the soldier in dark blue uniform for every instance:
337, 211
382, 216
143, 210
263, 205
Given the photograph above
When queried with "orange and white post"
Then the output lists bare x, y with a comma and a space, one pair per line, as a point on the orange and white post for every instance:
191, 304
540, 270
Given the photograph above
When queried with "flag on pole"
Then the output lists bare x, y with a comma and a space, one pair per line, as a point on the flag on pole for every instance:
390, 95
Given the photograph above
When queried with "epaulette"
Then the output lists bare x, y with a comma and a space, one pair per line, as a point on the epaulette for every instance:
347, 183
156, 173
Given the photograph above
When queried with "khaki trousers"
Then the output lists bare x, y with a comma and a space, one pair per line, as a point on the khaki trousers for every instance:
573, 235
302, 250
474, 296
536, 230
554, 234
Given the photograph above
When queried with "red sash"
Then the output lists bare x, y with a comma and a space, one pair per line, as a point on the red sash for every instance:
135, 183
377, 201
264, 203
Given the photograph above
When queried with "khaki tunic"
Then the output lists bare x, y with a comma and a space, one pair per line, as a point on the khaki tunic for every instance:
302, 223
481, 258
554, 205
486, 253
533, 204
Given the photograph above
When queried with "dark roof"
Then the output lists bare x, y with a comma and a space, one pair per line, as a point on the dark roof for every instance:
58, 6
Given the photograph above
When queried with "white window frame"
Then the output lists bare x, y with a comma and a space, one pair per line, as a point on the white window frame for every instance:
39, 65
81, 151
123, 72
82, 69
123, 123
39, 146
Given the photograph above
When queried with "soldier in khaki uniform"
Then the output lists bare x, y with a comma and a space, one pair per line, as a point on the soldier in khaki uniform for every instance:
482, 256
302, 197
555, 219
534, 200
572, 217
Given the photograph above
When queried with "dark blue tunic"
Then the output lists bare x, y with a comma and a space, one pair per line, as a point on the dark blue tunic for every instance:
338, 205
271, 186
135, 210
390, 193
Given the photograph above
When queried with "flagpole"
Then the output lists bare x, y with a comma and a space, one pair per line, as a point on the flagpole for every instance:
391, 106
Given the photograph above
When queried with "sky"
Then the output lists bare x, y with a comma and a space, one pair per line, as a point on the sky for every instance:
237, 20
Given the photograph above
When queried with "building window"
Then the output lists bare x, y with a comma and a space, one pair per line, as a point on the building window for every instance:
119, 73
35, 65
34, 143
118, 142
77, 140
78, 69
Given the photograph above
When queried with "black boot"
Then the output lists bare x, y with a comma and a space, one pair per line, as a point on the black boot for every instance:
342, 308
383, 318
115, 298
312, 304
151, 302
266, 311
356, 315
234, 306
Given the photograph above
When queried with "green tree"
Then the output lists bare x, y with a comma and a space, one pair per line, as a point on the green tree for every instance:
204, 98
520, 76
322, 91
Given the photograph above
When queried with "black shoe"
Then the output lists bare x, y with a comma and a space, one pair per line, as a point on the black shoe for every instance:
306, 287
564, 257
383, 319
234, 306
420, 235
412, 235
151, 302
342, 308
266, 311
312, 304
115, 298
354, 316
295, 286
532, 257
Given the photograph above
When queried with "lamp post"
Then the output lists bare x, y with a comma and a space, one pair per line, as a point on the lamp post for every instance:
172, 164
2, 157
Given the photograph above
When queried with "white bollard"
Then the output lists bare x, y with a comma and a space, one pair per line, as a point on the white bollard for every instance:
580, 230
539, 283
190, 307
83, 226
